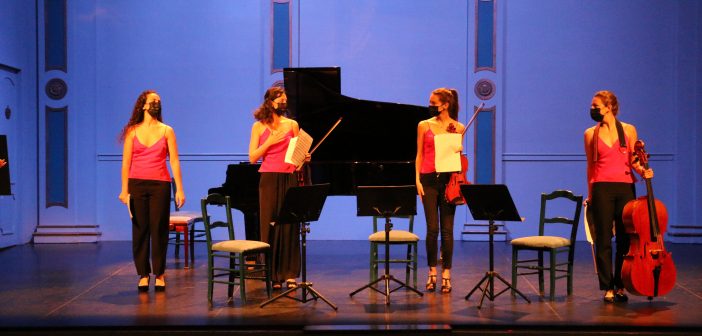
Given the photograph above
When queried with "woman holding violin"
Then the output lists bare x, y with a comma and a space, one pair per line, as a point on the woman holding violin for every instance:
610, 166
270, 136
443, 105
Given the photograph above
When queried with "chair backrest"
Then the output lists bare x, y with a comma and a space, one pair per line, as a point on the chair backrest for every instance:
377, 219
572, 221
217, 200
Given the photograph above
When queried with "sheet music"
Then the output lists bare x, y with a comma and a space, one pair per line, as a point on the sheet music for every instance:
298, 148
447, 158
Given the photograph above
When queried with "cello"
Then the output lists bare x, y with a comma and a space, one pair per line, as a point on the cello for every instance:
648, 269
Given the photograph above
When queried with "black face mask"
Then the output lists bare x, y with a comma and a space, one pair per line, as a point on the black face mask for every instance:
595, 115
154, 109
433, 110
282, 108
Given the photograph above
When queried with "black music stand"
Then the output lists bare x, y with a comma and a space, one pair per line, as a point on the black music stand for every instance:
303, 205
386, 201
491, 202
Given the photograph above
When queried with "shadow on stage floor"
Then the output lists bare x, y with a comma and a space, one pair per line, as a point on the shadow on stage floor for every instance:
91, 288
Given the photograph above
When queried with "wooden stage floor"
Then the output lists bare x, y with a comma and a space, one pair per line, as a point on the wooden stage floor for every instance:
91, 289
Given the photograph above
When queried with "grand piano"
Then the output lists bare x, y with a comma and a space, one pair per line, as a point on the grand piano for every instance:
374, 144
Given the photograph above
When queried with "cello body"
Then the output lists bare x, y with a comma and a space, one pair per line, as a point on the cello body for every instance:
648, 269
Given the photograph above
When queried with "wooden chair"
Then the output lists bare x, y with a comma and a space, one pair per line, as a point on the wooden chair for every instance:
235, 251
397, 237
554, 245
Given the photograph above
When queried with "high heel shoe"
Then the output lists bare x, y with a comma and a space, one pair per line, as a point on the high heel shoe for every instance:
143, 285
609, 296
620, 296
431, 283
291, 283
445, 285
160, 284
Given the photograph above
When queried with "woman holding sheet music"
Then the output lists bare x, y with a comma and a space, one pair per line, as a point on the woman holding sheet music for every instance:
146, 185
443, 106
270, 136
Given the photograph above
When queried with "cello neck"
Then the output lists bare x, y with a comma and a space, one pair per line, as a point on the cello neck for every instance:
651, 202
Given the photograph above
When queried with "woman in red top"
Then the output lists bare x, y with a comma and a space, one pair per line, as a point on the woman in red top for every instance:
610, 180
146, 185
443, 104
270, 136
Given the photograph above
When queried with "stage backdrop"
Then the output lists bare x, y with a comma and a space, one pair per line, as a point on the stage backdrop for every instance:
211, 62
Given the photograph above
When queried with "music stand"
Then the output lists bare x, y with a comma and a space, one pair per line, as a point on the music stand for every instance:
386, 201
302, 205
491, 202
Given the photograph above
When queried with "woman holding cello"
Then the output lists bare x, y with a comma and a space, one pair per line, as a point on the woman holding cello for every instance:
610, 165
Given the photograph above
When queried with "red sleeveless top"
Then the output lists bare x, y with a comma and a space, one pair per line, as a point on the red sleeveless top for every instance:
428, 153
274, 158
149, 163
612, 163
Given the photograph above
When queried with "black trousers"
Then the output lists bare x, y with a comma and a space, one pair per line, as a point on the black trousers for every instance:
438, 212
608, 201
284, 238
150, 207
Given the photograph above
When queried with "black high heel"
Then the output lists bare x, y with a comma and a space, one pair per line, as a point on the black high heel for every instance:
445, 285
431, 283
143, 286
619, 296
160, 287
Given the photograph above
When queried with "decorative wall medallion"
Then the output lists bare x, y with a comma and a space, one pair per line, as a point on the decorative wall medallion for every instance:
56, 88
485, 89
8, 112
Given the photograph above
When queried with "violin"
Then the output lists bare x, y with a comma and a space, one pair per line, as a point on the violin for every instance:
453, 187
648, 269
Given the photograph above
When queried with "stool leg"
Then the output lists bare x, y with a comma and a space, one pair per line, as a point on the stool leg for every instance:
186, 244
177, 243
192, 245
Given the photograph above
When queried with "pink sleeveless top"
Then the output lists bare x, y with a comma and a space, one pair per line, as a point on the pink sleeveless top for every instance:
612, 164
274, 158
428, 153
149, 163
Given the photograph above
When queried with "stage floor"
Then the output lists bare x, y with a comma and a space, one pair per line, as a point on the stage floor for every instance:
93, 287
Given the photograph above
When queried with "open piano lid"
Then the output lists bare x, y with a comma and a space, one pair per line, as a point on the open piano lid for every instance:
375, 143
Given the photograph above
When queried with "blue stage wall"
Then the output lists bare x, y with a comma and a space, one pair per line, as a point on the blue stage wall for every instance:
211, 63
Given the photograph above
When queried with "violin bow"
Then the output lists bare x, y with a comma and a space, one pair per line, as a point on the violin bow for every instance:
326, 135
472, 119
323, 138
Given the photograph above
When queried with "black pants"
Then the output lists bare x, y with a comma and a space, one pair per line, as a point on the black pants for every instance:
150, 207
438, 211
284, 238
608, 201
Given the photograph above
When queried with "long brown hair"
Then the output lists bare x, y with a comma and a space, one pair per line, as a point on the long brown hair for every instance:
138, 113
609, 99
449, 96
264, 113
